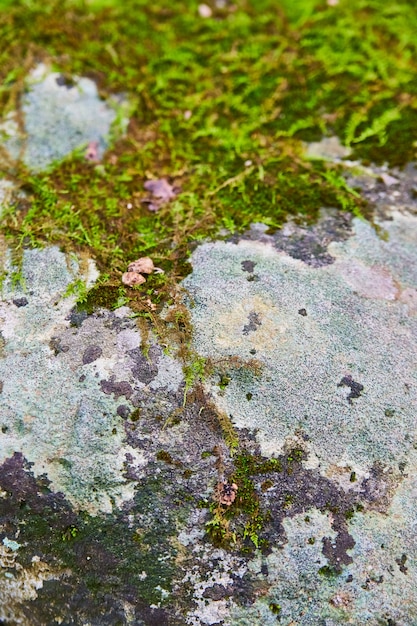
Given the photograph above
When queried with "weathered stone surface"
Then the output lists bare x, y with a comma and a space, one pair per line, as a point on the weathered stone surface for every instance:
100, 464
106, 478
107, 474
336, 343
62, 385
59, 117
356, 325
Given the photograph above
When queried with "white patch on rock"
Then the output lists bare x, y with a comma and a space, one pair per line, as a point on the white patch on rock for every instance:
357, 329
369, 282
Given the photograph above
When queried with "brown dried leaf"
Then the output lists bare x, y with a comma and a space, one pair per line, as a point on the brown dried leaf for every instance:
144, 265
162, 191
133, 278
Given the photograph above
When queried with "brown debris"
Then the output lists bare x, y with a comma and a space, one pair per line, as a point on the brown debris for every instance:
226, 493
136, 270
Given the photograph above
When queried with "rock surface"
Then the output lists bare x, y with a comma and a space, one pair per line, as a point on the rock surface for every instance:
337, 346
60, 115
110, 461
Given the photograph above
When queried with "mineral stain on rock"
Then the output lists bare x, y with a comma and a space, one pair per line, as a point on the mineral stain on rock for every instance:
57, 346
254, 321
248, 266
121, 388
355, 387
19, 302
306, 242
145, 368
76, 317
401, 563
123, 411
91, 353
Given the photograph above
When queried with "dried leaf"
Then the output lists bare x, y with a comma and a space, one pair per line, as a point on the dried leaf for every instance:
162, 191
133, 278
144, 265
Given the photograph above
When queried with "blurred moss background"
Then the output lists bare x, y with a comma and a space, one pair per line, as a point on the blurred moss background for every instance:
222, 99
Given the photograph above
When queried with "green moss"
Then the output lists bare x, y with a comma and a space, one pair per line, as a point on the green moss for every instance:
288, 500
275, 608
224, 381
135, 415
194, 371
252, 465
70, 533
101, 296
298, 79
349, 514
328, 572
280, 188
230, 436
296, 455
243, 522
219, 106
163, 455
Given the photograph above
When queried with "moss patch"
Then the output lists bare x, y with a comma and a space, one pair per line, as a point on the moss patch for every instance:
218, 106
